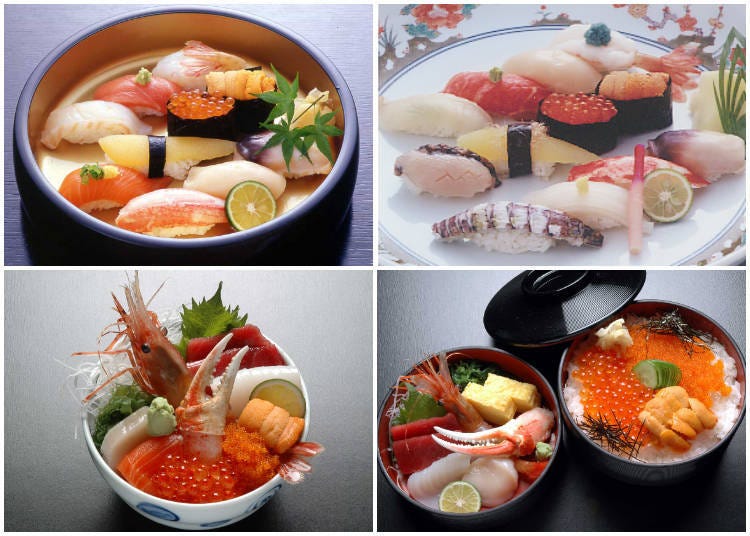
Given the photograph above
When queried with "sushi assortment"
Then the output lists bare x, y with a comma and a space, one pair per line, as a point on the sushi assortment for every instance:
464, 436
575, 103
213, 412
177, 137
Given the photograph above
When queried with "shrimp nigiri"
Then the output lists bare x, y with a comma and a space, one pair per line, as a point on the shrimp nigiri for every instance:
94, 187
172, 212
143, 93
188, 67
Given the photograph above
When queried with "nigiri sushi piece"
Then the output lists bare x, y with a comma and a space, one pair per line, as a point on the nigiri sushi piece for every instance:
501, 94
599, 205
495, 478
218, 179
172, 212
446, 171
159, 156
706, 153
439, 114
188, 67
426, 485
535, 154
143, 93
93, 187
88, 121
619, 170
554, 69
252, 148
510, 227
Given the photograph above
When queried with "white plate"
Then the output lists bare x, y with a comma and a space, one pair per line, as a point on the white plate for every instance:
406, 218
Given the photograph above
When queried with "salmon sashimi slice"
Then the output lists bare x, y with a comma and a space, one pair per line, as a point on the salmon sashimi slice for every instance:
512, 96
139, 465
144, 99
89, 193
619, 170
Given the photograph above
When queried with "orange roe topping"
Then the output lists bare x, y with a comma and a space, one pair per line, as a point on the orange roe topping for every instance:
609, 385
255, 464
578, 109
198, 105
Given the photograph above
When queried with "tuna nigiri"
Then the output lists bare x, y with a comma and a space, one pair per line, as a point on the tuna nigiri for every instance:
94, 187
86, 122
619, 170
143, 93
499, 94
172, 212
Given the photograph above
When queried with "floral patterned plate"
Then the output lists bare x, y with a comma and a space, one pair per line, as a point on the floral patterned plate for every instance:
712, 232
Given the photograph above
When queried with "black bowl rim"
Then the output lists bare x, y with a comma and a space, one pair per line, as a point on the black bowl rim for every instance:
347, 153
636, 463
490, 512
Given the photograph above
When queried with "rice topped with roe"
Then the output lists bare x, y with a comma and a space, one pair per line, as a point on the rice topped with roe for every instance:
600, 382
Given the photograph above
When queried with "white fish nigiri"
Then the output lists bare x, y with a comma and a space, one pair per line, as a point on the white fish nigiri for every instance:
86, 122
218, 179
707, 153
426, 485
558, 70
496, 479
617, 55
188, 67
248, 379
439, 114
125, 436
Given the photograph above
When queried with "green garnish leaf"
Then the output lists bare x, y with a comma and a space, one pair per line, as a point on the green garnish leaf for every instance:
289, 136
730, 93
143, 77
417, 406
125, 399
468, 371
91, 171
208, 318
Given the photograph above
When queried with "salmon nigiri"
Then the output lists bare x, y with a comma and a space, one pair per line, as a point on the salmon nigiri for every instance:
94, 187
143, 93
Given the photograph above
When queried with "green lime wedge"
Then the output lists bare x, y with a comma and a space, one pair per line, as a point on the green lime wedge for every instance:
249, 204
460, 497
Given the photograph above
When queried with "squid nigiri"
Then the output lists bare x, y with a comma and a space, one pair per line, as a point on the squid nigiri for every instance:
188, 67
86, 122
172, 212
94, 187
143, 93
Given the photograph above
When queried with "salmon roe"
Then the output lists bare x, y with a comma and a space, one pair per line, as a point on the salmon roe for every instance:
184, 478
578, 109
198, 105
609, 386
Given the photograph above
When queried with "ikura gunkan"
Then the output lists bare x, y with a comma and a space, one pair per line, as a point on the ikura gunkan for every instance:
653, 389
465, 436
204, 414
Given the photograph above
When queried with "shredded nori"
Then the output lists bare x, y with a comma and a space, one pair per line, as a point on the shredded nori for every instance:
613, 436
672, 323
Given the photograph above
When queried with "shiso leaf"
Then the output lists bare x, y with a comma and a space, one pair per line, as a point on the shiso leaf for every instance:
417, 406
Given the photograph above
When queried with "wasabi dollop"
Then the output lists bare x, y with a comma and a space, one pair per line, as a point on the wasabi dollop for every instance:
543, 451
161, 419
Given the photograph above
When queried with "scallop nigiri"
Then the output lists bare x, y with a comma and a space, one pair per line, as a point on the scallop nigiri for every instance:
143, 93
94, 187
188, 67
555, 69
172, 212
86, 122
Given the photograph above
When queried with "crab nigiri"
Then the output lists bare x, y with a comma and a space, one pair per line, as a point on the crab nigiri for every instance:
143, 93
499, 93
188, 67
94, 187
619, 170
86, 122
172, 212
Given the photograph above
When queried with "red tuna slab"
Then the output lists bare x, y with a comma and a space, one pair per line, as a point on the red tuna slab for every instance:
424, 427
417, 453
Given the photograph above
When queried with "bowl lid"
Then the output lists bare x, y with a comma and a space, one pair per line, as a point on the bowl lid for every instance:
548, 307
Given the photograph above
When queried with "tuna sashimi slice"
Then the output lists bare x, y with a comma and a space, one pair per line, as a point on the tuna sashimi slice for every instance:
416, 453
424, 427
248, 335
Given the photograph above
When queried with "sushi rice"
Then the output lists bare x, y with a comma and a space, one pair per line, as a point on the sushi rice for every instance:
726, 409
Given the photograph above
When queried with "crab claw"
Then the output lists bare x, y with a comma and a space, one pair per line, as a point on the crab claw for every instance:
200, 417
517, 437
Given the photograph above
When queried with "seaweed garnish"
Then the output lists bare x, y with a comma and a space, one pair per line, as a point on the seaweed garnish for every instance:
613, 436
671, 323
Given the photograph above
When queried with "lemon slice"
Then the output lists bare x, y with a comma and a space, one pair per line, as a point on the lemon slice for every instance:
667, 195
250, 204
460, 497
281, 393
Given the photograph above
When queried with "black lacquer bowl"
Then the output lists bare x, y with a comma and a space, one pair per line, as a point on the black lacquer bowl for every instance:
633, 471
516, 507
313, 218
